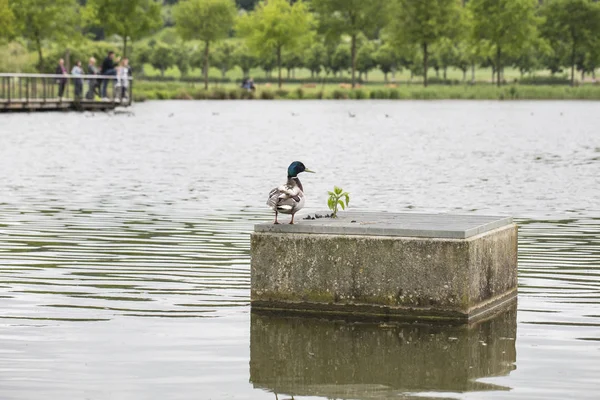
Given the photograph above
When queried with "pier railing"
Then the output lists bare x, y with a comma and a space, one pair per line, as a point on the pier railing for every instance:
47, 91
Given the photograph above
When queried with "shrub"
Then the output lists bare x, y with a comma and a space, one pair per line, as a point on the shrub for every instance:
267, 95
300, 93
339, 94
358, 94
282, 93
183, 95
199, 95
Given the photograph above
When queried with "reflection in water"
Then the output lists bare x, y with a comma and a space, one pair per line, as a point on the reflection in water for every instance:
334, 359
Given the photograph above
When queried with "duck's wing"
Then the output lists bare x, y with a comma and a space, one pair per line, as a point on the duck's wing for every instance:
284, 197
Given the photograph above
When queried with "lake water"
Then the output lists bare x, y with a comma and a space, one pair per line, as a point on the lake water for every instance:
124, 249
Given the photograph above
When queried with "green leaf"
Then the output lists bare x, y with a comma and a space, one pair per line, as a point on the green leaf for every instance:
331, 204
338, 190
341, 203
331, 193
347, 196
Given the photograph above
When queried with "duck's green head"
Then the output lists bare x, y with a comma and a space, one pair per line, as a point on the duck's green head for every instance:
295, 168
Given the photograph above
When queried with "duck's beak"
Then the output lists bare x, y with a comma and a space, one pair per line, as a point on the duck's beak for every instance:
308, 170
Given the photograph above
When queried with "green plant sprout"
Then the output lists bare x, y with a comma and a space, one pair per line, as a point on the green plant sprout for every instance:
335, 200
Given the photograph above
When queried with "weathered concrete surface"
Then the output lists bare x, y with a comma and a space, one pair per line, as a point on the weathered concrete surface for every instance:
334, 359
413, 277
451, 226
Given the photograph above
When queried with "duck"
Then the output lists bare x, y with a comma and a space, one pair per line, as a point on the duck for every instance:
289, 198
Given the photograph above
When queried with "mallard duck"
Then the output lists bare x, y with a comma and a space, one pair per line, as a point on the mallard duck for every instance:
289, 198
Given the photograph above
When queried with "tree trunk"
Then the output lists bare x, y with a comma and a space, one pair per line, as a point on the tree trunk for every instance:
385, 74
125, 46
473, 73
366, 76
162, 72
573, 65
445, 70
498, 68
582, 75
38, 44
464, 75
223, 72
206, 52
279, 65
353, 61
425, 66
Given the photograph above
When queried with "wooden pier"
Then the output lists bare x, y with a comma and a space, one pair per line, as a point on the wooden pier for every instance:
40, 92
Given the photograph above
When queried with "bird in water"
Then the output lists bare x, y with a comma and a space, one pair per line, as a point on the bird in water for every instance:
289, 198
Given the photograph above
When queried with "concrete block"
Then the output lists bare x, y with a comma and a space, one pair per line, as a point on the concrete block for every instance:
416, 266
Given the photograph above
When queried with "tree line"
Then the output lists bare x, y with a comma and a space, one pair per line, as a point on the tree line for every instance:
325, 36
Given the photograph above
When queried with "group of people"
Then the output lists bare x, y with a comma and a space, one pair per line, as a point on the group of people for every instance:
111, 66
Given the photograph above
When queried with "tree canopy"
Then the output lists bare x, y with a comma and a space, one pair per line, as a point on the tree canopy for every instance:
275, 26
425, 23
40, 20
507, 25
351, 17
7, 19
205, 20
131, 19
574, 24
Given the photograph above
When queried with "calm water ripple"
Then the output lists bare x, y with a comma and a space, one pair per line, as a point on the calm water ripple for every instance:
124, 249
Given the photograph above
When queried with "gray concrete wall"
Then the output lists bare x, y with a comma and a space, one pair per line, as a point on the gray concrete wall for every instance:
421, 277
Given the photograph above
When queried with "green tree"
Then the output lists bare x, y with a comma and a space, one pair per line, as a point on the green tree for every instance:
290, 61
446, 54
244, 59
181, 59
365, 59
224, 58
162, 57
276, 26
267, 61
531, 55
386, 58
352, 18
574, 24
506, 24
130, 19
39, 20
205, 20
425, 23
315, 58
341, 59
7, 19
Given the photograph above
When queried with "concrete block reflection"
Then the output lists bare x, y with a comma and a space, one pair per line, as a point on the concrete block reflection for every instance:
336, 359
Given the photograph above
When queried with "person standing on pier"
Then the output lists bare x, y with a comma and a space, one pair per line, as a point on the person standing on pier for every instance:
61, 70
123, 73
93, 83
78, 80
108, 69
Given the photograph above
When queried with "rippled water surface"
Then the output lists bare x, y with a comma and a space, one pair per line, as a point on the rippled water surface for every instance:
124, 249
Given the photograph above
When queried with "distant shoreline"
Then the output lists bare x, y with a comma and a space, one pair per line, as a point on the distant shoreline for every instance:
151, 90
